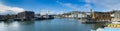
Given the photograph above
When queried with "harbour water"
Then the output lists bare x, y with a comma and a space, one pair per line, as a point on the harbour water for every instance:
47, 25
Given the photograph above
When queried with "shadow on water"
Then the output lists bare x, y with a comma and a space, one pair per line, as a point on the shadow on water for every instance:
26, 22
98, 25
43, 20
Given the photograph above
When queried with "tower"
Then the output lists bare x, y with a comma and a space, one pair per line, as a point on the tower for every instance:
92, 14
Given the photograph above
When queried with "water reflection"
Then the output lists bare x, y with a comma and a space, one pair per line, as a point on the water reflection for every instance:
62, 25
98, 25
48, 25
26, 22
16, 26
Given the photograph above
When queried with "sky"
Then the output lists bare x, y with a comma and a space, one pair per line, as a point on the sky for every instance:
57, 6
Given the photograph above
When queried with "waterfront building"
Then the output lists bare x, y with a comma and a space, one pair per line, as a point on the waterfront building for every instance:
82, 15
116, 16
101, 16
26, 15
74, 14
0, 16
7, 17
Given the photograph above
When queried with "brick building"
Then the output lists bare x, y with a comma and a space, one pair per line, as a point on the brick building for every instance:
26, 15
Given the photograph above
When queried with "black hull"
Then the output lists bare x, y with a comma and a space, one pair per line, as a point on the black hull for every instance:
44, 18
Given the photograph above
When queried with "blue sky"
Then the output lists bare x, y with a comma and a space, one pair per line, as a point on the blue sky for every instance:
38, 5
63, 5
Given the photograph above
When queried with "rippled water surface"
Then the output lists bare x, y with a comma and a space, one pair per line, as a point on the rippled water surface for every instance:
46, 25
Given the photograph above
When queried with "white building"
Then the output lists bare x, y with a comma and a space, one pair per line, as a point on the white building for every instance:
116, 16
80, 15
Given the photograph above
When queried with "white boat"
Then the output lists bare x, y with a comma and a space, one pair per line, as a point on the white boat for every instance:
116, 22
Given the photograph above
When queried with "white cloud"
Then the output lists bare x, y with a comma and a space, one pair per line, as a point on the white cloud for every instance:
106, 4
17, 9
72, 6
86, 7
4, 9
99, 5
